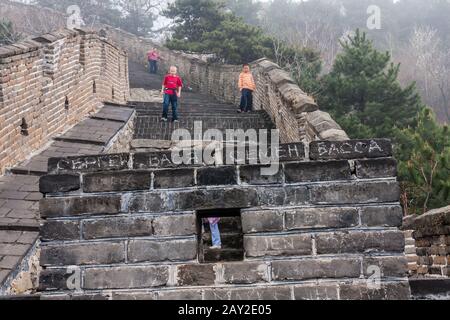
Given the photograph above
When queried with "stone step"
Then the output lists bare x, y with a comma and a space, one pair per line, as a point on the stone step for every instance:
214, 255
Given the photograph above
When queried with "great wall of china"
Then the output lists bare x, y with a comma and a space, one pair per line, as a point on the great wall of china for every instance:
92, 207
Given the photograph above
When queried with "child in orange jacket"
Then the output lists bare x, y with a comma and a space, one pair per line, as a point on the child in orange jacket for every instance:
247, 86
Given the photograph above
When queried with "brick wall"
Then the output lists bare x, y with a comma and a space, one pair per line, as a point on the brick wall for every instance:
50, 83
319, 229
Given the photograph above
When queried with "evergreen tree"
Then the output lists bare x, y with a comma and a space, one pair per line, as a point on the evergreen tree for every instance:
363, 93
424, 164
7, 33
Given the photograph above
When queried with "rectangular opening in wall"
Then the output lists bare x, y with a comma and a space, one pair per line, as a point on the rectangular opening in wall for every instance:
220, 235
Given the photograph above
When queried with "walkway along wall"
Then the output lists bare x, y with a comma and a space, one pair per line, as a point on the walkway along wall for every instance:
292, 111
324, 227
51, 83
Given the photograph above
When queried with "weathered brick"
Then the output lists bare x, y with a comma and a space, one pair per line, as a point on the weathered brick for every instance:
196, 275
252, 175
77, 206
245, 272
134, 296
175, 225
376, 168
117, 181
148, 203
262, 221
60, 230
177, 178
370, 192
351, 149
360, 241
316, 292
316, 269
162, 250
89, 163
117, 227
125, 277
316, 218
385, 216
54, 279
83, 254
254, 293
59, 183
289, 245
216, 176
356, 291
213, 199
317, 171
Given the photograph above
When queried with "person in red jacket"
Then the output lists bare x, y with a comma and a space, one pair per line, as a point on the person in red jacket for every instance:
171, 90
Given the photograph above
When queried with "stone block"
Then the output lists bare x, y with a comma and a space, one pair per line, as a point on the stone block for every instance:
162, 250
117, 227
59, 183
93, 163
177, 178
117, 181
83, 254
252, 175
315, 269
317, 171
78, 206
321, 218
350, 149
389, 266
282, 245
262, 221
370, 192
175, 225
250, 294
283, 196
245, 272
54, 280
213, 199
60, 230
172, 295
383, 216
376, 168
196, 275
126, 277
316, 292
216, 176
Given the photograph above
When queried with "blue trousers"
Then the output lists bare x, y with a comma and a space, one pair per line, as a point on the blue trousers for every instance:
215, 234
246, 100
170, 99
153, 66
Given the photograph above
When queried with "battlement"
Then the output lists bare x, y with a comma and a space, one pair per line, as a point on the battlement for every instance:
315, 230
